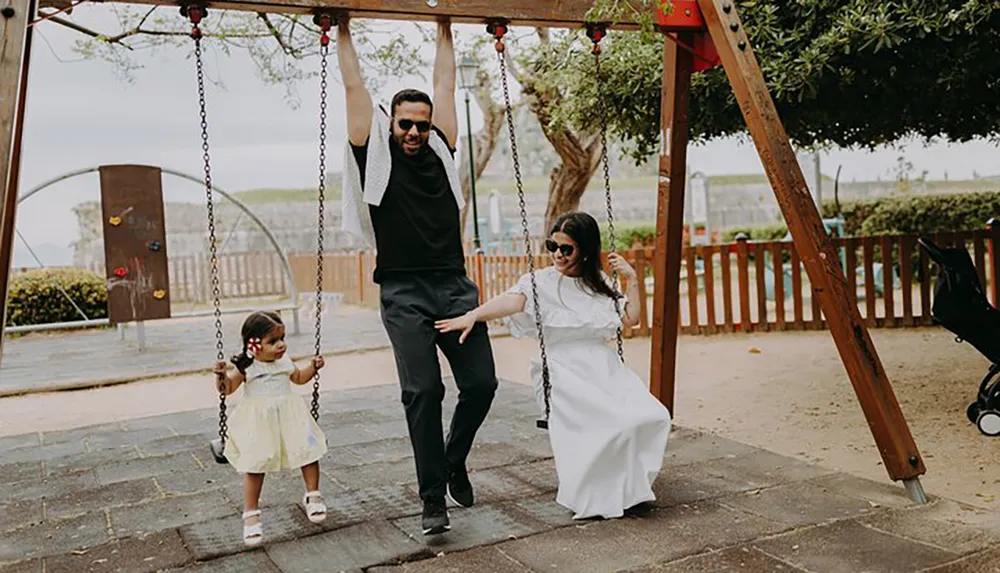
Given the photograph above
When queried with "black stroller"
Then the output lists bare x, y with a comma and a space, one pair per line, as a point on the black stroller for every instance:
961, 306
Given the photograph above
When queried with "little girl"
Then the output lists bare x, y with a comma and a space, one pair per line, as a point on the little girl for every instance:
270, 429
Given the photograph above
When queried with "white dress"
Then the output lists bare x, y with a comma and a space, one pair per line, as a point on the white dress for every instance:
271, 428
608, 433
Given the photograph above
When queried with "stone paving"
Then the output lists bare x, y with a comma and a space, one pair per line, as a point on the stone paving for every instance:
145, 495
49, 362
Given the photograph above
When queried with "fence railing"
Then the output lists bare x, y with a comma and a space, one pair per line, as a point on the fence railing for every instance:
241, 275
734, 287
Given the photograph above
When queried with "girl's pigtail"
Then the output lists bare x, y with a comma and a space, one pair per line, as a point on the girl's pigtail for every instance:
243, 360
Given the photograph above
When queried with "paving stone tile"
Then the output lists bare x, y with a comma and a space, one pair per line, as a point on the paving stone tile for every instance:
66, 465
687, 446
253, 562
8, 443
181, 483
363, 417
745, 559
181, 462
101, 497
485, 455
280, 488
27, 566
136, 555
55, 537
495, 485
387, 450
725, 476
224, 536
43, 453
546, 510
987, 561
172, 444
477, 525
121, 437
81, 434
377, 474
13, 473
36, 488
20, 514
392, 429
482, 559
168, 513
849, 547
541, 474
883, 493
358, 546
798, 504
667, 534
383, 502
347, 435
947, 524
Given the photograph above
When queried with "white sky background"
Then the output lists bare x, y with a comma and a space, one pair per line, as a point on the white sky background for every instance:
80, 114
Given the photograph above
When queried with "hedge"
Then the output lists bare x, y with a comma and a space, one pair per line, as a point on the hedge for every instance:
919, 214
35, 296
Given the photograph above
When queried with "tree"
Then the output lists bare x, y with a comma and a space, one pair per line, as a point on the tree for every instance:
851, 73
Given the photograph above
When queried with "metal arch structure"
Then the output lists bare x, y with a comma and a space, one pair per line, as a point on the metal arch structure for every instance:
700, 34
289, 277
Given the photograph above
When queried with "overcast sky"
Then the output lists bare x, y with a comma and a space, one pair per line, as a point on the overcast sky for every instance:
80, 114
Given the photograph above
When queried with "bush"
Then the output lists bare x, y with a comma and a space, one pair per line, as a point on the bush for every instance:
35, 296
774, 232
918, 214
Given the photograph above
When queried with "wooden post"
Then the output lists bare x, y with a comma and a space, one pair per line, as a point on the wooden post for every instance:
677, 68
861, 360
15, 51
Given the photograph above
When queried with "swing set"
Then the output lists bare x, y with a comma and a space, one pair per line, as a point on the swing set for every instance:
700, 34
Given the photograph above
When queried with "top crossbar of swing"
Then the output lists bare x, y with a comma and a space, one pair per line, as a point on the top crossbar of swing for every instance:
548, 13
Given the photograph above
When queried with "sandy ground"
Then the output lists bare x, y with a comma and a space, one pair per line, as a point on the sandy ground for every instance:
792, 397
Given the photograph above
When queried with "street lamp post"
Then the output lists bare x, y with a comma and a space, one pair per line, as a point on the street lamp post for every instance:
468, 70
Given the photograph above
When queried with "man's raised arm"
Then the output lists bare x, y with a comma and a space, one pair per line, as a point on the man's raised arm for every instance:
359, 102
445, 117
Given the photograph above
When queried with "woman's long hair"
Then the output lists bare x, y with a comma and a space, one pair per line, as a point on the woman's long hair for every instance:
583, 229
257, 325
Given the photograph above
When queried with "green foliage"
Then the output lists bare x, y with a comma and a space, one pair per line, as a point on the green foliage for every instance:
775, 232
35, 296
844, 72
918, 214
627, 235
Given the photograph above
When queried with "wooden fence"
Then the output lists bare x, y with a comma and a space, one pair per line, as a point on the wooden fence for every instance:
241, 275
732, 287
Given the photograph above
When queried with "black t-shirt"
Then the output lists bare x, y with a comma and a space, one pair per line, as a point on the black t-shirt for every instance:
417, 224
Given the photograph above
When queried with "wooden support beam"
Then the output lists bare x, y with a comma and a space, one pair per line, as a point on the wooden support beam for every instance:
548, 13
857, 351
677, 68
15, 49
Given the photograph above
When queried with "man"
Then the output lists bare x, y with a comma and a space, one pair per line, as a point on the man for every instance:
402, 196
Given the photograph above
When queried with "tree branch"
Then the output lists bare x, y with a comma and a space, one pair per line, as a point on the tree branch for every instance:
285, 48
86, 31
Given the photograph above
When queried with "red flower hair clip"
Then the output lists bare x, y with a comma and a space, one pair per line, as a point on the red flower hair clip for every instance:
253, 347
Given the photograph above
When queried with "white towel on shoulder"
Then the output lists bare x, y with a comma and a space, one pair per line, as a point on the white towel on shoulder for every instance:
355, 216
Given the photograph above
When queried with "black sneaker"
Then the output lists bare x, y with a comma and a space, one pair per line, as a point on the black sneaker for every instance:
435, 519
460, 489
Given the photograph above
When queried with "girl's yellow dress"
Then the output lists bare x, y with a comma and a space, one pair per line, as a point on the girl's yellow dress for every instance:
271, 428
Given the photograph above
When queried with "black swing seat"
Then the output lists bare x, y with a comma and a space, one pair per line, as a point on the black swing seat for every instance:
218, 448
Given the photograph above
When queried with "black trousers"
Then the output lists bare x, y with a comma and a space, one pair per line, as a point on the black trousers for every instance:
410, 305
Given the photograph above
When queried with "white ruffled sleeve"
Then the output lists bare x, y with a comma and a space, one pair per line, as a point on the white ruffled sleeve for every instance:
522, 324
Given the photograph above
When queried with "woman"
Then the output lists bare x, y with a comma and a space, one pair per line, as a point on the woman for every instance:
608, 433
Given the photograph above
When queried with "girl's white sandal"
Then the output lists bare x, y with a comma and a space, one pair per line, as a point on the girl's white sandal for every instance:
252, 534
315, 511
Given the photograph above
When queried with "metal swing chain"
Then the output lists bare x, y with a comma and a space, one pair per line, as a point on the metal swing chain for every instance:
195, 14
324, 48
498, 30
596, 34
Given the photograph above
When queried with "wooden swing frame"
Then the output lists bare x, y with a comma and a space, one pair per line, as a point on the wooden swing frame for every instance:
690, 23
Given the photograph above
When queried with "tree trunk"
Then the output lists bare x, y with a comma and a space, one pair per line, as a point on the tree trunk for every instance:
579, 153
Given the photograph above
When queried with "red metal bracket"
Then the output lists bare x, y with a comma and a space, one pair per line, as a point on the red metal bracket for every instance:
684, 15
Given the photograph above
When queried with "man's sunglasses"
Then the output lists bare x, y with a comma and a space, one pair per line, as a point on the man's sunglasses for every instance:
552, 246
407, 125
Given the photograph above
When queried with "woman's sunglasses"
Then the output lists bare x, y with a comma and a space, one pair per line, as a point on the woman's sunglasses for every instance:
407, 125
552, 246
